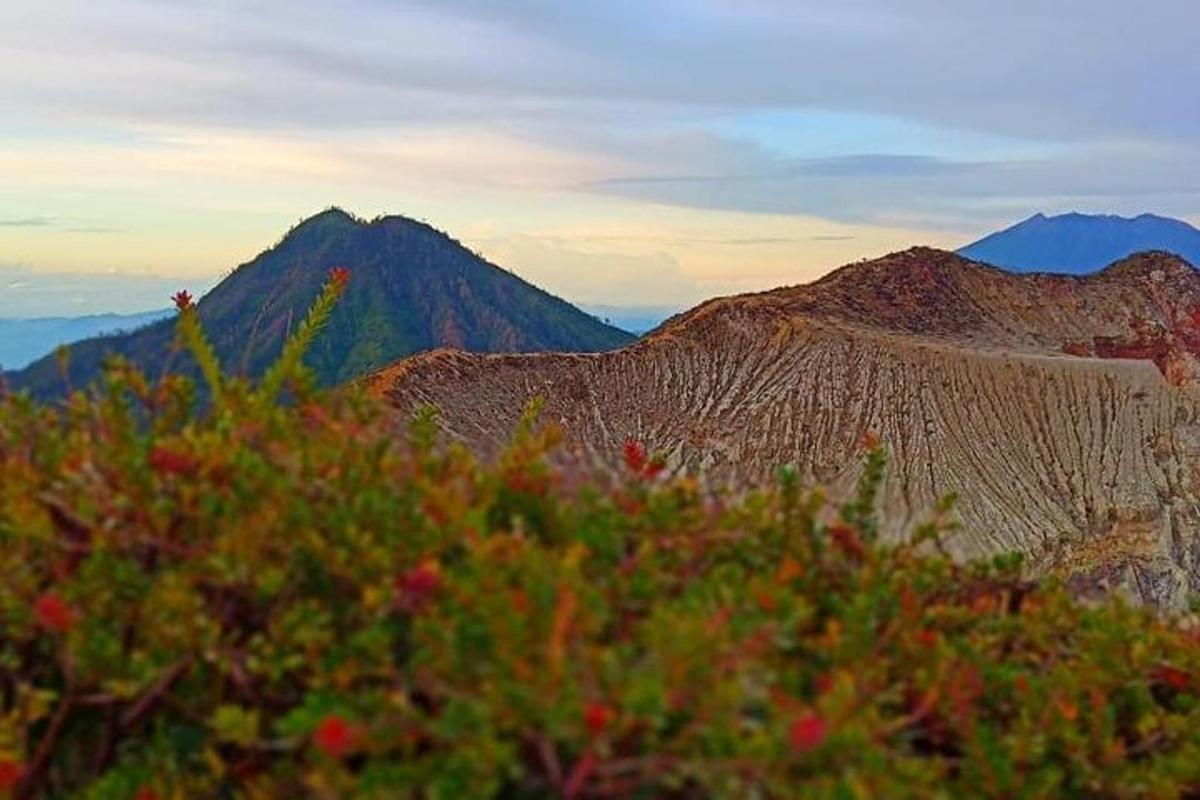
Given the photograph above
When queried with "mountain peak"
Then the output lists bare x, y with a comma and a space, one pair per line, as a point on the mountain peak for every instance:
1078, 244
1147, 262
330, 216
412, 288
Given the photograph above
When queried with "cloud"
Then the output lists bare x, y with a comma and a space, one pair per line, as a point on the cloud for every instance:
32, 293
920, 190
26, 222
1027, 68
949, 116
596, 277
675, 256
76, 226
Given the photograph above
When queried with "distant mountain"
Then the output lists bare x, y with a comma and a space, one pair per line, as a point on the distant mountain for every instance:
635, 319
1079, 244
1049, 404
412, 288
25, 340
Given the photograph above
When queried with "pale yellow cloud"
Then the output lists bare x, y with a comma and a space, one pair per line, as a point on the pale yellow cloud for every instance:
442, 155
653, 254
198, 202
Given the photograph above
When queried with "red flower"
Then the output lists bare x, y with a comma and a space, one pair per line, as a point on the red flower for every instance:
169, 462
635, 455
1174, 677
636, 460
767, 602
963, 689
654, 466
145, 793
52, 613
1068, 709
807, 733
183, 300
314, 413
417, 587
335, 737
597, 717
10, 774
846, 540
339, 276
927, 638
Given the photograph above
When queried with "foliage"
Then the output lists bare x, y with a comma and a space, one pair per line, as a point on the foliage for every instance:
264, 599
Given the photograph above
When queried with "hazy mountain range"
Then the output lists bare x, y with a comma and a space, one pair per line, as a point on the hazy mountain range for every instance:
1078, 244
411, 288
1068, 243
635, 319
25, 340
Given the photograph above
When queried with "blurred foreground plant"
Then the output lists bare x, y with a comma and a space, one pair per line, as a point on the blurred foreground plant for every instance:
259, 598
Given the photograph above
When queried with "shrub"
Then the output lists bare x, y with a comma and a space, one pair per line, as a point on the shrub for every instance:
263, 597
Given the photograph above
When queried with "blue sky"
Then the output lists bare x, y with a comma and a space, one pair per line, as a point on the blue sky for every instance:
653, 152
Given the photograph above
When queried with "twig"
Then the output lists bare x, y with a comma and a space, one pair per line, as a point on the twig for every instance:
146, 704
550, 761
45, 748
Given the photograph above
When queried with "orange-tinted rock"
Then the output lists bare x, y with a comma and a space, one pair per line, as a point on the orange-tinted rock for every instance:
1039, 400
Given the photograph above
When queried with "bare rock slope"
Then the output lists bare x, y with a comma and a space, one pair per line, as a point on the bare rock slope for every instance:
1064, 412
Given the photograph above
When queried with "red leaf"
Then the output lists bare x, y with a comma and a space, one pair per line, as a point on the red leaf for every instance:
846, 540
182, 300
10, 774
416, 588
169, 462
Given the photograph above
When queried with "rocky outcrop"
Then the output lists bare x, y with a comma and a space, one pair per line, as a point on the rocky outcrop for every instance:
1061, 411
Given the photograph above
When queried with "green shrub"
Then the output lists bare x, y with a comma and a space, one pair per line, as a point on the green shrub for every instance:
262, 598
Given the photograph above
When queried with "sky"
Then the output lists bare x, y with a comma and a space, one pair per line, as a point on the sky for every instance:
618, 152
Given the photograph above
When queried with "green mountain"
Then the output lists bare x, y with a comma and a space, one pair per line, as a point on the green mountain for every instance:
412, 288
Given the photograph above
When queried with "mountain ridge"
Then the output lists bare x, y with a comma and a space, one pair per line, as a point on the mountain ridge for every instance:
1063, 410
26, 339
1076, 243
412, 287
